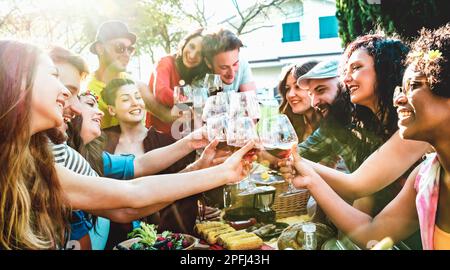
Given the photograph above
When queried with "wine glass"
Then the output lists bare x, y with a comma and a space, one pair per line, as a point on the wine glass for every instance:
244, 104
215, 105
213, 83
216, 127
183, 95
240, 131
278, 136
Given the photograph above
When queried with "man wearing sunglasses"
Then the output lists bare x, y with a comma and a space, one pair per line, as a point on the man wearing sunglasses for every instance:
114, 46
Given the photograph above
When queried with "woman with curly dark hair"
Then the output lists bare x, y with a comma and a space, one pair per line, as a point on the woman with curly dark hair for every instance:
296, 102
423, 109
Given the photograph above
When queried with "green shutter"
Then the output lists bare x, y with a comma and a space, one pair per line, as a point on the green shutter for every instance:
328, 27
291, 32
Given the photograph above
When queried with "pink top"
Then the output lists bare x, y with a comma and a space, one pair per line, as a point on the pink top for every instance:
427, 188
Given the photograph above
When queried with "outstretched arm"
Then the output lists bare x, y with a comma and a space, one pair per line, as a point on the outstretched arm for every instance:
398, 220
161, 111
159, 159
97, 193
126, 215
379, 170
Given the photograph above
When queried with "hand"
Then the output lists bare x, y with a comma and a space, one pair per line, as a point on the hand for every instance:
306, 175
197, 139
211, 156
266, 158
237, 167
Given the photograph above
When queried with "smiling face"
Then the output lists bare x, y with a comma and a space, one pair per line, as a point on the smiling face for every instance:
297, 98
129, 107
71, 78
226, 64
323, 93
48, 96
92, 117
116, 53
360, 79
420, 112
192, 52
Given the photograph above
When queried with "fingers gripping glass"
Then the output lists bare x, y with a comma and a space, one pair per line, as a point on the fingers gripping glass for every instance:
239, 132
278, 136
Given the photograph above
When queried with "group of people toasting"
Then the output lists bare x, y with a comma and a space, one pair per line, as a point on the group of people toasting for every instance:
351, 131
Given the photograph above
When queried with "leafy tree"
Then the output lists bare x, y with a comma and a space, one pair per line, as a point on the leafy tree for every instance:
404, 17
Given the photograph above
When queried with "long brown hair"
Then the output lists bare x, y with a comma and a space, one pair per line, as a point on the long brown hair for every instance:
32, 211
92, 151
298, 121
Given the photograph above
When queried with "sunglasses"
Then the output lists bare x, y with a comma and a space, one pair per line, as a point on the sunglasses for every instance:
120, 48
407, 89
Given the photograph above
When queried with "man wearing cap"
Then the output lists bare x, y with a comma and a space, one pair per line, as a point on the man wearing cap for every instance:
329, 98
114, 46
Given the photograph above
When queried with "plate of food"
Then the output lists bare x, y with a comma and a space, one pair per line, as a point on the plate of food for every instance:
267, 177
146, 238
268, 231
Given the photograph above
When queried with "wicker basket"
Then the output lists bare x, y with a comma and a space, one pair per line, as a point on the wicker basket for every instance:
291, 205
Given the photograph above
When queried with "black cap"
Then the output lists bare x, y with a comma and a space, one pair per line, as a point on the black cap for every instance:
112, 30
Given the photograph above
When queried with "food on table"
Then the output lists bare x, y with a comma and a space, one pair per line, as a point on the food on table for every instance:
268, 231
228, 237
242, 224
244, 243
293, 236
147, 239
209, 213
265, 175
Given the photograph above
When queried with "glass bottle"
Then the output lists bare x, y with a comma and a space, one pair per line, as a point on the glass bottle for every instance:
310, 238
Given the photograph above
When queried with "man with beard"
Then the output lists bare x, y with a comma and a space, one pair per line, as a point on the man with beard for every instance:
330, 99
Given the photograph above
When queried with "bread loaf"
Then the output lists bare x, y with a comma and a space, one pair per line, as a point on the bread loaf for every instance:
252, 242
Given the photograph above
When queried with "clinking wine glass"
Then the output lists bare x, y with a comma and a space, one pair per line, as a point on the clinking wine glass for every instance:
213, 83
240, 131
244, 104
183, 94
215, 105
216, 127
278, 136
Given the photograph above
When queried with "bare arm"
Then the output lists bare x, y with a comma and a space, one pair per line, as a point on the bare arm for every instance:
97, 193
250, 86
398, 220
126, 215
159, 159
152, 105
379, 170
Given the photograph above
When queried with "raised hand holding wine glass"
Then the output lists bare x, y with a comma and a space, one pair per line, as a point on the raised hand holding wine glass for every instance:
277, 136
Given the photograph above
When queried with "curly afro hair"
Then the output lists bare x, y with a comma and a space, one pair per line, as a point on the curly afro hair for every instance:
437, 71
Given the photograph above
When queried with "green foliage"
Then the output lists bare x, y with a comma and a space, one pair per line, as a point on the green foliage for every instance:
404, 17
146, 232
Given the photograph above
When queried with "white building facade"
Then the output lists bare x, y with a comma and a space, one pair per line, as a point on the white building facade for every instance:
307, 30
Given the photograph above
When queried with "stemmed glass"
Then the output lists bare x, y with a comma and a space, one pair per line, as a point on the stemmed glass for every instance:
216, 127
244, 104
240, 131
278, 136
183, 95
213, 83
215, 105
